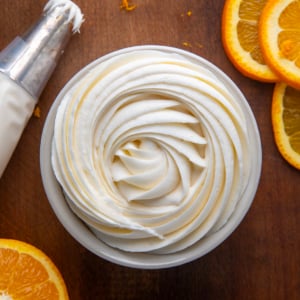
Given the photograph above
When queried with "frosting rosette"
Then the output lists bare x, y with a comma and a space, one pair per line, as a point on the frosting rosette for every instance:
152, 151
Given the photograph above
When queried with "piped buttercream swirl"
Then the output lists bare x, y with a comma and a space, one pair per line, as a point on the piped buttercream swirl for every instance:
151, 150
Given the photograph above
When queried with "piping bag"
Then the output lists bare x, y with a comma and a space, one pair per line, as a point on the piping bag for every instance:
26, 64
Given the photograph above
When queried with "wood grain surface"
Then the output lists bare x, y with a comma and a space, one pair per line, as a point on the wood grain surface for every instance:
260, 260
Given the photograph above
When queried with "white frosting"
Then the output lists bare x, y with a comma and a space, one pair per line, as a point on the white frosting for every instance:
62, 6
151, 151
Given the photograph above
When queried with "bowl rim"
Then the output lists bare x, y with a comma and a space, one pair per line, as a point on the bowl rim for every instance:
80, 232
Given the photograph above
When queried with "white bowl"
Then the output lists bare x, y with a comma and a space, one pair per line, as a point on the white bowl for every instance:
145, 260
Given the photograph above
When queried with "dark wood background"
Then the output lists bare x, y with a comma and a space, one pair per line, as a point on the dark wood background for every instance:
260, 260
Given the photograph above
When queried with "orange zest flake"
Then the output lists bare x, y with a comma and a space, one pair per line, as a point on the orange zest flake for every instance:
188, 13
128, 7
186, 44
199, 45
190, 45
37, 112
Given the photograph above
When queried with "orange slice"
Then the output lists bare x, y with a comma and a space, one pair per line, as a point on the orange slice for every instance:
26, 273
279, 35
240, 38
286, 122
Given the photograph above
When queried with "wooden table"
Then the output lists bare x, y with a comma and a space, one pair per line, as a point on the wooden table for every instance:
260, 260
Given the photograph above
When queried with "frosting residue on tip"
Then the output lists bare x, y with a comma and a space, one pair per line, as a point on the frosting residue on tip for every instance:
151, 150
62, 6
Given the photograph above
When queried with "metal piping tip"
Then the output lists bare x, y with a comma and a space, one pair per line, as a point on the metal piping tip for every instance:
30, 60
